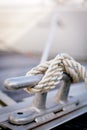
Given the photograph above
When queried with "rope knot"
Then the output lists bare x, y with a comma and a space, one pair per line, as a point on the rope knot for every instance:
53, 72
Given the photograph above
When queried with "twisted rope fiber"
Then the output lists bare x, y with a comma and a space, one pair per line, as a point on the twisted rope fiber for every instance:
53, 72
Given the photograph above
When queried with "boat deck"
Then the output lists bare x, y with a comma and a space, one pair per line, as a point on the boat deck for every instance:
13, 65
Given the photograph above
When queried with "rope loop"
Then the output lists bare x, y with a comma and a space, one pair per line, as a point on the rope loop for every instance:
53, 72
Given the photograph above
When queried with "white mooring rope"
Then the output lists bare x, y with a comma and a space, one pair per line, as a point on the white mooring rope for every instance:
53, 72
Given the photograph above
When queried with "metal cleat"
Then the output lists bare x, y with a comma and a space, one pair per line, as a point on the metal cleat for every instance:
56, 106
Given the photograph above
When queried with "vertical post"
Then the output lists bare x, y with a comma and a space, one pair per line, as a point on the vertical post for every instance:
62, 94
39, 101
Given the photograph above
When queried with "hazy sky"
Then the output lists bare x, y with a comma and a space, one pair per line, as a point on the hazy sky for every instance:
22, 2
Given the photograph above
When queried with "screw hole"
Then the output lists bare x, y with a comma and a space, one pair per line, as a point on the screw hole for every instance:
20, 113
77, 103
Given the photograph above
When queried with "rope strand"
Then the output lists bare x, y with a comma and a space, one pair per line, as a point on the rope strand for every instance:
53, 72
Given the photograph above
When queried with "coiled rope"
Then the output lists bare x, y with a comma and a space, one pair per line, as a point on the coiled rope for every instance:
53, 72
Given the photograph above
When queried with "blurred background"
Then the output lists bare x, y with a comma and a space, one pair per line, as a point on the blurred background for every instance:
25, 26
